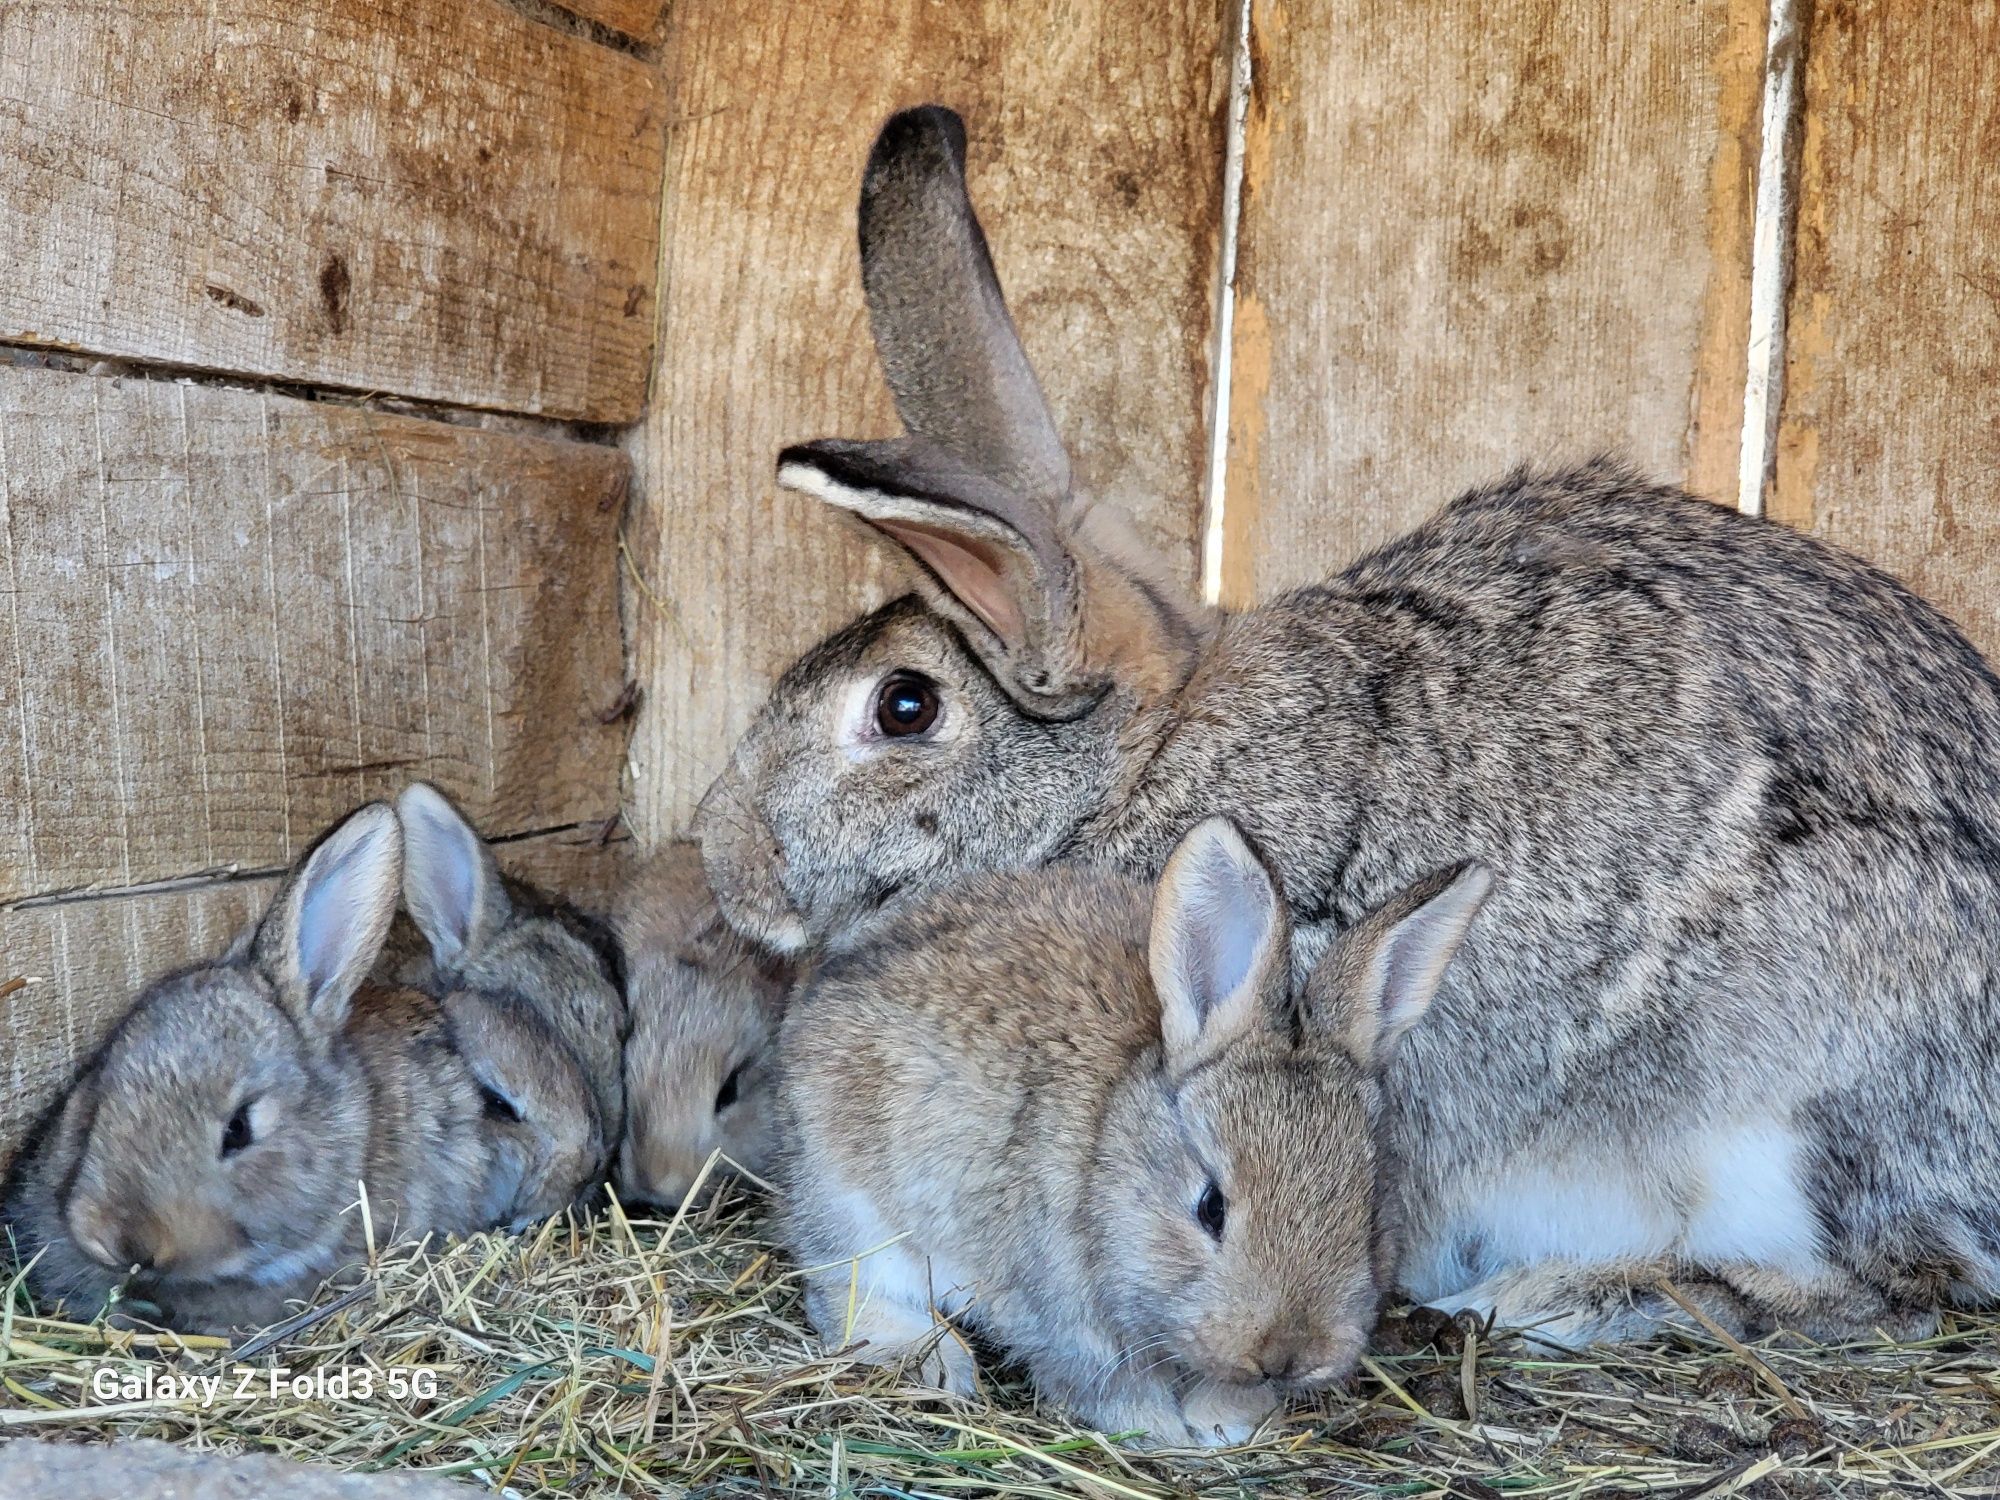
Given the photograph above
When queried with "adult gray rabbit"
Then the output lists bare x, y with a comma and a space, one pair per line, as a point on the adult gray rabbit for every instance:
1731, 1014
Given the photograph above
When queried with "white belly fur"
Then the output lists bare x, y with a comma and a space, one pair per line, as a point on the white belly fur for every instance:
1731, 1196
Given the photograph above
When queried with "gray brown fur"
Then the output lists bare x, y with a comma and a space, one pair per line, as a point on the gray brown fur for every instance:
1003, 1104
1744, 790
127, 1167
534, 993
705, 1006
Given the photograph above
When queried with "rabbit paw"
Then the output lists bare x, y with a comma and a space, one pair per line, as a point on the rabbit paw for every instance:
1225, 1416
948, 1364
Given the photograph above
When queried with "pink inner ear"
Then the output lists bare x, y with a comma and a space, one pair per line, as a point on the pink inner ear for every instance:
973, 571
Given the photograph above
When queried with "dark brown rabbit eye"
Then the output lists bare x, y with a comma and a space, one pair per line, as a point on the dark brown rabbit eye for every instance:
1211, 1211
731, 1086
498, 1106
906, 704
236, 1134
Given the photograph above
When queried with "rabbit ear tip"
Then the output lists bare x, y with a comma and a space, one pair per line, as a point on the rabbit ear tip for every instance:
912, 131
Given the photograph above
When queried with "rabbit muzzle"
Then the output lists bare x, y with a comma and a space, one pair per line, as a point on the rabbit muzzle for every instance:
746, 867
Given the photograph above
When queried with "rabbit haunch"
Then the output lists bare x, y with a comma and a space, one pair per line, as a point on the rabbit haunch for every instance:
1110, 1139
1737, 997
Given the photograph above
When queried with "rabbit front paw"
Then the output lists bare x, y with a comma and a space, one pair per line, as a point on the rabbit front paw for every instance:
1225, 1416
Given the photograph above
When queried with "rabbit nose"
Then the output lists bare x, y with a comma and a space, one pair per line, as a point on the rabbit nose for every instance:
1282, 1355
132, 1250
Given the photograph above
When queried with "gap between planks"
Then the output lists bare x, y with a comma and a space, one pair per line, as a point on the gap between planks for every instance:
1778, 157
201, 880
1213, 534
445, 414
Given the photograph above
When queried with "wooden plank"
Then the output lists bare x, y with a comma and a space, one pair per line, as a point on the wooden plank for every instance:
440, 198
1515, 230
83, 961
1888, 441
635, 18
1096, 162
226, 618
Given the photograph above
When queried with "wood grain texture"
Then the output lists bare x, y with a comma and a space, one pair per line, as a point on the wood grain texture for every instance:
439, 198
227, 618
1096, 151
1889, 433
1513, 230
635, 18
82, 962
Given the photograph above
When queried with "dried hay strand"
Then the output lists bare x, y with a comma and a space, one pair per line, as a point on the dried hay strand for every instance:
622, 1358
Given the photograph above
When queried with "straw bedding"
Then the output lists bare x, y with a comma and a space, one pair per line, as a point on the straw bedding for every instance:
621, 1358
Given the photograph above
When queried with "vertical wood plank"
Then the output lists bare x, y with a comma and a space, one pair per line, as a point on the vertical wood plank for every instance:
1513, 230
1889, 435
1096, 146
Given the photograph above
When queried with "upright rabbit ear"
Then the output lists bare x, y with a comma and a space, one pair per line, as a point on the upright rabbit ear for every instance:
1382, 974
975, 493
327, 923
948, 348
1219, 943
450, 881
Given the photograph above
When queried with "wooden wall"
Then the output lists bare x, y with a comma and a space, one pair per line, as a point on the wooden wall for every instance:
1889, 435
260, 560
329, 327
1518, 230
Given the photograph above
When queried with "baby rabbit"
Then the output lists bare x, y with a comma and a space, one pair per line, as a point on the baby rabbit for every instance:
532, 989
700, 1062
1129, 1159
217, 1138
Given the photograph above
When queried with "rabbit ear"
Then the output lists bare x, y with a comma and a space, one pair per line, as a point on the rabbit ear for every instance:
327, 923
1218, 943
989, 561
975, 492
450, 881
948, 348
1382, 974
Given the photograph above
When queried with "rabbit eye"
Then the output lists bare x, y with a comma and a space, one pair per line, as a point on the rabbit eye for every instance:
905, 704
731, 1086
499, 1106
237, 1134
1211, 1210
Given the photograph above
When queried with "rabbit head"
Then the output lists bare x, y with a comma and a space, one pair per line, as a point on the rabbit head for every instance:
541, 1119
534, 1006
219, 1132
700, 1059
978, 722
1254, 1240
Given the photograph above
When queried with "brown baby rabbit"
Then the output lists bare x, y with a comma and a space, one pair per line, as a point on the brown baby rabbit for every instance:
1111, 1142
217, 1141
533, 990
701, 1056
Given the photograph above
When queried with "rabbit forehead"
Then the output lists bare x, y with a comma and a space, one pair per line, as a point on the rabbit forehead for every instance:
681, 1006
1289, 1134
536, 958
203, 1037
